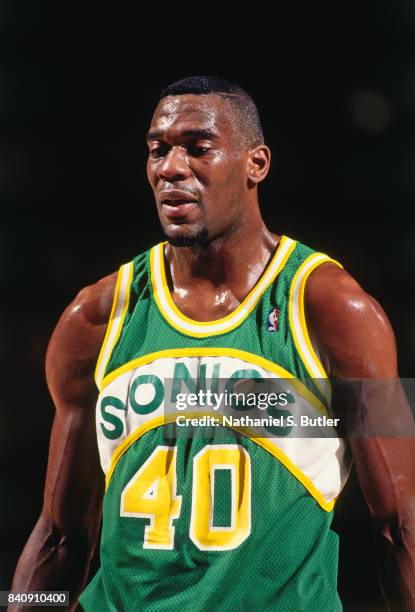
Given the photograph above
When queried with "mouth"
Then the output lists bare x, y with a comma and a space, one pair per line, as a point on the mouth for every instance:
177, 204
177, 201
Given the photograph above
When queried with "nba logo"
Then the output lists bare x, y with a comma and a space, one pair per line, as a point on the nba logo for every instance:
273, 320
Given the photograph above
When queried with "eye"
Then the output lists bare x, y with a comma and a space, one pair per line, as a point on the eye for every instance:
158, 151
196, 150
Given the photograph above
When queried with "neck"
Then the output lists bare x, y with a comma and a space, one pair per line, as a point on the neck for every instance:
234, 260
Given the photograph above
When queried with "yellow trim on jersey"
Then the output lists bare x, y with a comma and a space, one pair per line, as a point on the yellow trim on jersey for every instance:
116, 320
298, 323
200, 329
220, 352
245, 431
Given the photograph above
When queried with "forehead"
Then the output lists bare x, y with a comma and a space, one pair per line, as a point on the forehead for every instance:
208, 112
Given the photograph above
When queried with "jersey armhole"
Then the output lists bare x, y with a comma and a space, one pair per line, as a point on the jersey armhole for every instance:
298, 324
116, 320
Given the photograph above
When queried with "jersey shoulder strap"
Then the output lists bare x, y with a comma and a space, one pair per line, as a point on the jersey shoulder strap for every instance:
132, 282
290, 290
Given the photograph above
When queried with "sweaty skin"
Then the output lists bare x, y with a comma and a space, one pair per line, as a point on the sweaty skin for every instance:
59, 551
206, 195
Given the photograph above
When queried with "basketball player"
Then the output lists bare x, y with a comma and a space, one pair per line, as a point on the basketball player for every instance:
226, 521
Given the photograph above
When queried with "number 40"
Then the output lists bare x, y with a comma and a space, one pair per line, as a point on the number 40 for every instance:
152, 494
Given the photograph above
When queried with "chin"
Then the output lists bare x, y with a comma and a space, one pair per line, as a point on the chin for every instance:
182, 239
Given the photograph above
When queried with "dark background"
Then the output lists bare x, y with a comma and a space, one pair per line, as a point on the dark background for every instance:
336, 92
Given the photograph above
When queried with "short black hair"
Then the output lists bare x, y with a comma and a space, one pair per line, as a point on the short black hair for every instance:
245, 111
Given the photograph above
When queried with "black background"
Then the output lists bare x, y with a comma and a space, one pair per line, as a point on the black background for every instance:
335, 90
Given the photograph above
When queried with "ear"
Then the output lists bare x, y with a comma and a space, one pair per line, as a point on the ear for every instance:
259, 159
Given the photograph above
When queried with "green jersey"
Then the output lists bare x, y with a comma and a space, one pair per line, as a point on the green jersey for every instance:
227, 519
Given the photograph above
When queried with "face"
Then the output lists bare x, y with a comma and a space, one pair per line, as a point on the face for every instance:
196, 168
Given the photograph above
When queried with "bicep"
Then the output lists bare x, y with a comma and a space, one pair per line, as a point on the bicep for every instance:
74, 481
348, 327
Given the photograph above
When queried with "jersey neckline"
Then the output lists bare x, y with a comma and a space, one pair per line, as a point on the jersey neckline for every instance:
199, 329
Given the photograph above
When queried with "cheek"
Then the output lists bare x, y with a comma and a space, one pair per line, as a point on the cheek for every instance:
225, 172
151, 175
234, 178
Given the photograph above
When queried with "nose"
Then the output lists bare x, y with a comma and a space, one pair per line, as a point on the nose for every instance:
174, 166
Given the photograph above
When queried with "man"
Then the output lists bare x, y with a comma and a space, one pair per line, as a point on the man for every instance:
229, 519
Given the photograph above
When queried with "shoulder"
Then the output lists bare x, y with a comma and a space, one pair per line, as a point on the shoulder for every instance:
76, 341
348, 326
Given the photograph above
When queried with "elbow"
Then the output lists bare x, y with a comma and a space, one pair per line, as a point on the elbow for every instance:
60, 539
397, 533
398, 530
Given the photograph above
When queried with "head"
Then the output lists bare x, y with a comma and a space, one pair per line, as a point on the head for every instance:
206, 158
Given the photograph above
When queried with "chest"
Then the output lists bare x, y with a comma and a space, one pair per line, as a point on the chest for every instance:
205, 304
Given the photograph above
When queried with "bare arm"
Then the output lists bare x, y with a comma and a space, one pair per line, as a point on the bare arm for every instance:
58, 553
356, 341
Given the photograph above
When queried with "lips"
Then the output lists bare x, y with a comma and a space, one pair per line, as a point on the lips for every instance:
176, 197
177, 204
178, 210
